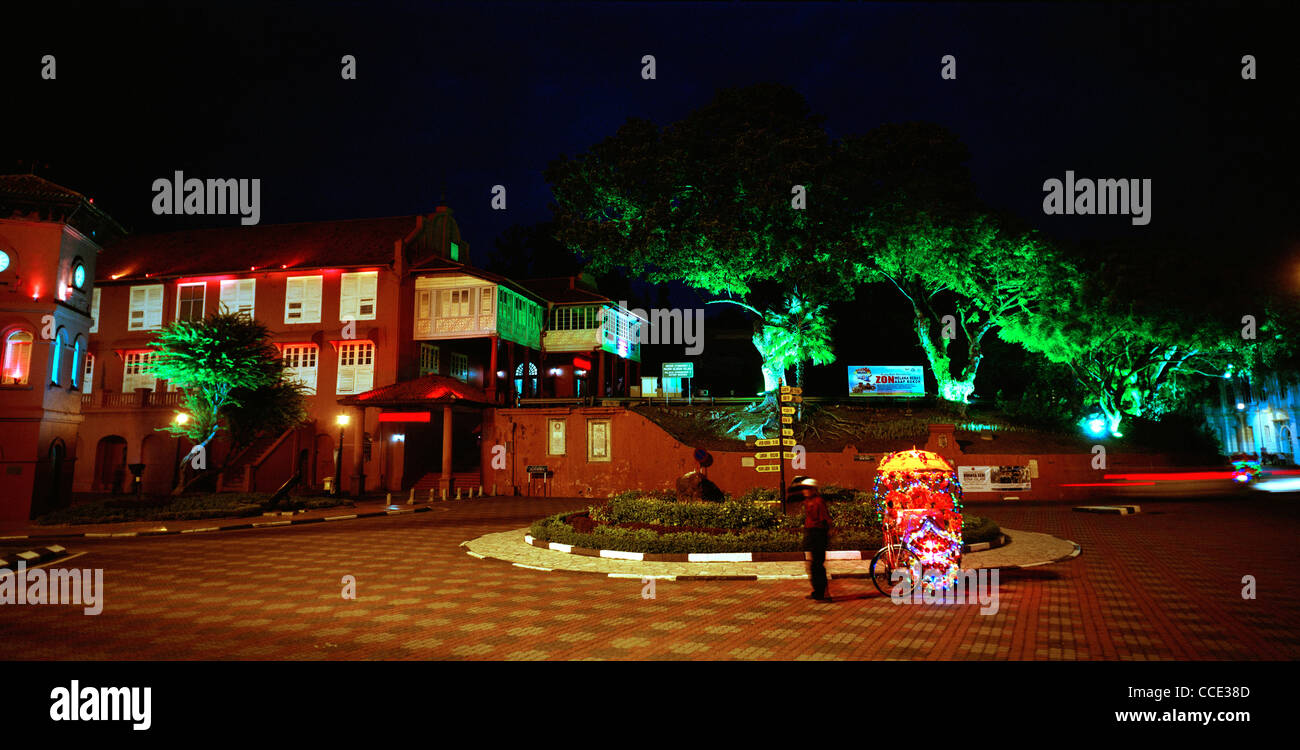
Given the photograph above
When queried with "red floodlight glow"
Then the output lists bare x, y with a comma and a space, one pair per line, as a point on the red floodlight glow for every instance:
404, 416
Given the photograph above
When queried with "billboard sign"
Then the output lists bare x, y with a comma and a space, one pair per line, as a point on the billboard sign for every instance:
994, 478
886, 380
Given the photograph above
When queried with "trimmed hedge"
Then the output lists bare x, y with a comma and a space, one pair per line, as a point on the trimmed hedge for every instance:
855, 527
729, 514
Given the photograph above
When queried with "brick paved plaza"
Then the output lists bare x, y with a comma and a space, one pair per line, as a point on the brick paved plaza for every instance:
1164, 584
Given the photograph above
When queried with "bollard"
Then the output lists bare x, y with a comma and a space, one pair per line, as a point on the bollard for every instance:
431, 494
480, 490
457, 493
444, 494
411, 500
494, 489
389, 501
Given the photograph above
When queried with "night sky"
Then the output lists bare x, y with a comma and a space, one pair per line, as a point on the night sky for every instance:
454, 98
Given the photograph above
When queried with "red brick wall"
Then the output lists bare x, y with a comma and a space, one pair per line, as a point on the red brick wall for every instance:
644, 456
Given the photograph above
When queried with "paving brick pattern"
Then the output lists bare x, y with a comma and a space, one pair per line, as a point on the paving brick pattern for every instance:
1165, 584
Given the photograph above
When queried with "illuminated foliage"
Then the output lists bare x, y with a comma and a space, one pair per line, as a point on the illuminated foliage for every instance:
232, 376
707, 201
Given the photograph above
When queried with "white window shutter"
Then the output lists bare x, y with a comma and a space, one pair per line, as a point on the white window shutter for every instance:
94, 312
347, 379
88, 376
154, 309
311, 301
135, 316
365, 377
348, 297
293, 293
423, 312
247, 290
367, 294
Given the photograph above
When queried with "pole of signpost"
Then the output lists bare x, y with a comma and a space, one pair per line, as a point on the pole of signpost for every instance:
780, 444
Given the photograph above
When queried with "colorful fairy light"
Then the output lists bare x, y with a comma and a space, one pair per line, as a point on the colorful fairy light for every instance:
918, 496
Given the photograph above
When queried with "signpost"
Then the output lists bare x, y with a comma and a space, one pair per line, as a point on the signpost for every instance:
788, 395
680, 370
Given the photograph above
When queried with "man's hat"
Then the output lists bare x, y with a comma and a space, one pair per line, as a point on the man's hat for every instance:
802, 482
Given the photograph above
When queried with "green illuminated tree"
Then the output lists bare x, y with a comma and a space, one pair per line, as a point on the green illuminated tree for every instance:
232, 376
962, 270
1134, 343
707, 201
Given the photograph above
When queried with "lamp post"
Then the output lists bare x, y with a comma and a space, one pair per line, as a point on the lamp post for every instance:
178, 473
342, 421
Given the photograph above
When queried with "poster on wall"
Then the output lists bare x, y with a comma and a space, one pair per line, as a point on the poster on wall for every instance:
556, 444
994, 478
886, 380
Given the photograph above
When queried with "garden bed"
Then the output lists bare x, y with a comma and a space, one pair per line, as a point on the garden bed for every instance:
658, 524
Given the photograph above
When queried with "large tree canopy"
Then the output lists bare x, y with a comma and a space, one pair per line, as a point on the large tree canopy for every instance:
1137, 350
962, 269
707, 201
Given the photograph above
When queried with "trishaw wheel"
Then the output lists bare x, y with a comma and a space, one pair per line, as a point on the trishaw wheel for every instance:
880, 566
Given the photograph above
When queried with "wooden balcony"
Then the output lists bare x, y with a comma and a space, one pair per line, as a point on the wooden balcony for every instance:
139, 399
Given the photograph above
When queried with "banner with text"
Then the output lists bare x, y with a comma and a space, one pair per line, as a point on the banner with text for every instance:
886, 380
993, 478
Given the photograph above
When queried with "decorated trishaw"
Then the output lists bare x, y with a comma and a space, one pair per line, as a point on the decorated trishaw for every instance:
918, 501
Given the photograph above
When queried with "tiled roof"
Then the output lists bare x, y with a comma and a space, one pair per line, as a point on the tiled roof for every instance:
38, 188
430, 389
20, 194
561, 291
321, 244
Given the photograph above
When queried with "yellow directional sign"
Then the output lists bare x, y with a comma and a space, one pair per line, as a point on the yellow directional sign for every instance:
787, 431
767, 455
787, 410
795, 391
767, 467
787, 441
769, 441
785, 389
787, 420
795, 399
787, 455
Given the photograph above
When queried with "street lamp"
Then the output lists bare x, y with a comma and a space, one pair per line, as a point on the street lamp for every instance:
177, 472
342, 421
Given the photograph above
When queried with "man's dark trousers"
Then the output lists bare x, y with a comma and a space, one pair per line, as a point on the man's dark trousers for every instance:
816, 541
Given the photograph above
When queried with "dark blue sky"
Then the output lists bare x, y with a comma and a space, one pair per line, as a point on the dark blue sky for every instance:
472, 95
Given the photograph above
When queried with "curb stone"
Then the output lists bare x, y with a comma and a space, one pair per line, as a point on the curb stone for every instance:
733, 557
229, 527
1119, 510
1003, 540
35, 556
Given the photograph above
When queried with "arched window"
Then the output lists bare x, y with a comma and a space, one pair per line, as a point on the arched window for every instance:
17, 358
532, 379
76, 363
56, 357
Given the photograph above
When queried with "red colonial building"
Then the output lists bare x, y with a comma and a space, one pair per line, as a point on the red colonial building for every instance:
50, 240
404, 347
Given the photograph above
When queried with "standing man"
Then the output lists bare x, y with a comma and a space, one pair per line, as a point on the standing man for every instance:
816, 533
